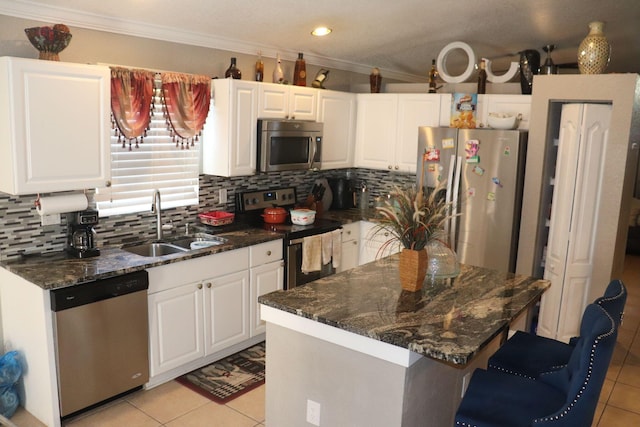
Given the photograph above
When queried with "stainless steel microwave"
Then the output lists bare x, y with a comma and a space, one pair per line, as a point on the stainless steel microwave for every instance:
285, 145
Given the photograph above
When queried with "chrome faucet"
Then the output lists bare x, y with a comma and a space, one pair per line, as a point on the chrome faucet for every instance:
156, 207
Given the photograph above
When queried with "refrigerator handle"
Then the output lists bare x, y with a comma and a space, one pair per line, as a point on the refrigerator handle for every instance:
455, 200
449, 197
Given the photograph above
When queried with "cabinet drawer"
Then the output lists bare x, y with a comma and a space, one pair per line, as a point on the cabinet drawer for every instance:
169, 276
265, 252
351, 231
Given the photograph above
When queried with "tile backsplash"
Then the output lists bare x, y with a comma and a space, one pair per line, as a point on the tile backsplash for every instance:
21, 232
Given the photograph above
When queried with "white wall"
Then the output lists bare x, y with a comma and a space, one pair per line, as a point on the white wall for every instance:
90, 46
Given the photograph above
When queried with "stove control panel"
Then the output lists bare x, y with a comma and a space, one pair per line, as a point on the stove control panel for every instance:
258, 200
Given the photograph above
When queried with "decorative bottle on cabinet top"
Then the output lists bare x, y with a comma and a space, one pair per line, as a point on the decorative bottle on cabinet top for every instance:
233, 71
482, 78
594, 51
433, 77
300, 72
375, 80
278, 74
259, 68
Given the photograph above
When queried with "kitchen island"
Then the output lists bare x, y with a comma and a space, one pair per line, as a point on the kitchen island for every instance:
371, 354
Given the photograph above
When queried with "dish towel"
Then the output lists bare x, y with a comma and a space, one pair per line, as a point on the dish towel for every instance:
326, 248
311, 253
336, 245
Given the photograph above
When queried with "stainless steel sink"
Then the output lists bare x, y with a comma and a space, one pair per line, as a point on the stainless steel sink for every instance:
181, 245
154, 249
200, 240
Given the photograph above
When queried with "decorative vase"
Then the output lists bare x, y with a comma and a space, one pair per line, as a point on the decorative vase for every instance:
413, 269
442, 263
594, 51
529, 66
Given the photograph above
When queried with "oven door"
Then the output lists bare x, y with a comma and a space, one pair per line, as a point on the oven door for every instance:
293, 270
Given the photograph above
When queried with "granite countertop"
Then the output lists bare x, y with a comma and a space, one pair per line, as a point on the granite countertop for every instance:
350, 215
450, 319
59, 270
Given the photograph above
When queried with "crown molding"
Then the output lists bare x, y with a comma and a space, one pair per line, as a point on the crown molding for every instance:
45, 13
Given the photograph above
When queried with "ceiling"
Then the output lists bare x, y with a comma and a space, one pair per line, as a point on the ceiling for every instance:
399, 37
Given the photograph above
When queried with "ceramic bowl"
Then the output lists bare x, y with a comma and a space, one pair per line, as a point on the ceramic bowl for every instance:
502, 121
303, 216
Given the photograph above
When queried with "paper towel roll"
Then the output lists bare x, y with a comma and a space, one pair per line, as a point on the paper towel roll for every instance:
60, 204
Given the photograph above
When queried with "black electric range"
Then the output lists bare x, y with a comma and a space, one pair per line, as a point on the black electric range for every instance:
249, 208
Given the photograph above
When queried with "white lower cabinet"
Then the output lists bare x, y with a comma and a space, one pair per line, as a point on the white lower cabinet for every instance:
375, 244
202, 309
226, 311
264, 279
350, 246
175, 322
267, 275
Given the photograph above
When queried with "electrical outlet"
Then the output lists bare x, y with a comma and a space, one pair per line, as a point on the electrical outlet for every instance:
313, 412
222, 195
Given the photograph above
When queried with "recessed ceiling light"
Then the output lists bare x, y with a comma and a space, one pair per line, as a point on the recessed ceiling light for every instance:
321, 31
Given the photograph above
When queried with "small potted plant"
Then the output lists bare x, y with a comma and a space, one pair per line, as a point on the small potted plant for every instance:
414, 219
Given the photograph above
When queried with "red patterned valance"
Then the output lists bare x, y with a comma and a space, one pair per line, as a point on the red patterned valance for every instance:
186, 104
131, 103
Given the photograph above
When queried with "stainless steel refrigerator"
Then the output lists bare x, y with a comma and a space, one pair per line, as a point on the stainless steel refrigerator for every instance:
484, 174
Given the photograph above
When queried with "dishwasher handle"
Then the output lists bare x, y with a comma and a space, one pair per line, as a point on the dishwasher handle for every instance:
98, 290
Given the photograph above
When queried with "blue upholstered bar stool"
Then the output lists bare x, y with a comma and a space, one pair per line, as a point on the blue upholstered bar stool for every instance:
530, 355
566, 397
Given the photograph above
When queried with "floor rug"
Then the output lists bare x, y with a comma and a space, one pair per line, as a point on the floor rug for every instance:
230, 377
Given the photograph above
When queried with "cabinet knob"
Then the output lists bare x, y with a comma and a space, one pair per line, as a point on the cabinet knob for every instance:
389, 167
209, 285
354, 243
199, 285
397, 167
268, 253
386, 234
348, 232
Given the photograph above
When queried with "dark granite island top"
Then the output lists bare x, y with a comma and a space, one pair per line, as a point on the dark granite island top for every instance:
449, 320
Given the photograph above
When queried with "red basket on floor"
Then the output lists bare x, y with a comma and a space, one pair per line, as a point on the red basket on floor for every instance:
216, 218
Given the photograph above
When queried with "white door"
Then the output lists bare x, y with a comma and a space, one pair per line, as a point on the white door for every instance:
337, 111
303, 103
273, 102
175, 327
264, 279
60, 125
226, 311
376, 131
413, 111
574, 218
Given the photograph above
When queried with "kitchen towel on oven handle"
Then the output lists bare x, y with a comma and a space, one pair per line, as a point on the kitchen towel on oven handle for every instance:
311, 254
332, 248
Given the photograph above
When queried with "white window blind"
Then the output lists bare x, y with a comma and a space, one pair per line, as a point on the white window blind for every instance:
156, 164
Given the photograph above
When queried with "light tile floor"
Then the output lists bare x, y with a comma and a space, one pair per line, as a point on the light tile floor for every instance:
173, 405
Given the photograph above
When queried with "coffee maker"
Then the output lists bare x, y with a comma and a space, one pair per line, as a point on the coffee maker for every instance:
81, 241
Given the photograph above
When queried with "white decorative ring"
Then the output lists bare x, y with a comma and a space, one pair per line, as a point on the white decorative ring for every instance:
442, 67
511, 73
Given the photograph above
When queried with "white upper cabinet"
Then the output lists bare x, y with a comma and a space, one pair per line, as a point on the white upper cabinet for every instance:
512, 104
229, 136
287, 102
54, 126
337, 112
387, 129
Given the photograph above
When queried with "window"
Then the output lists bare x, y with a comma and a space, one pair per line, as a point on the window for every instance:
154, 164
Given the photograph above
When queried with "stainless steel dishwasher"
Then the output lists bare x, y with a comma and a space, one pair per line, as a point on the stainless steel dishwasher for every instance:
102, 337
